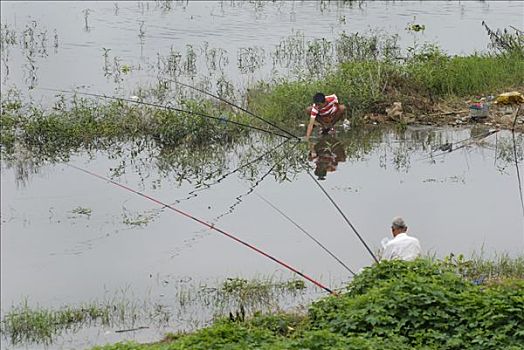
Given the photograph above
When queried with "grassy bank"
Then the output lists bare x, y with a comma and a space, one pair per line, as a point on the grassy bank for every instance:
366, 72
393, 305
422, 84
87, 122
191, 305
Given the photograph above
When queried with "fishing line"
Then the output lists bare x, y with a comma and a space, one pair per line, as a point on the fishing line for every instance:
306, 233
234, 105
516, 160
309, 173
252, 188
168, 108
280, 262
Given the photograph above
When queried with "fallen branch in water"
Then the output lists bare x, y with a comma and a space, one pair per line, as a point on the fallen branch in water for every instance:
131, 329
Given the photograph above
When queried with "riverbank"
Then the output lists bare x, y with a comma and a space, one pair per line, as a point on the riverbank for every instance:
441, 304
428, 87
466, 303
432, 89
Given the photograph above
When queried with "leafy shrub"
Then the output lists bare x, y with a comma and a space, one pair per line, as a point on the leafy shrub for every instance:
426, 304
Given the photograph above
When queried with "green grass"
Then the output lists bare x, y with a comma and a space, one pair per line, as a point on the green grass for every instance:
236, 297
426, 304
371, 86
88, 124
25, 324
368, 74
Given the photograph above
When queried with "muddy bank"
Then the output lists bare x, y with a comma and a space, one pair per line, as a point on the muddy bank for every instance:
449, 113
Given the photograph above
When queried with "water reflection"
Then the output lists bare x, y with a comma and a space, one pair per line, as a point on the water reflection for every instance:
253, 156
326, 153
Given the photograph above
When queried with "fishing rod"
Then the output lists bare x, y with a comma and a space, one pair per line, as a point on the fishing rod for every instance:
306, 233
239, 107
345, 217
251, 190
296, 137
250, 246
168, 108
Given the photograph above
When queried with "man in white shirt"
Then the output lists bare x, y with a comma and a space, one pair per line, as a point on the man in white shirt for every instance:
402, 246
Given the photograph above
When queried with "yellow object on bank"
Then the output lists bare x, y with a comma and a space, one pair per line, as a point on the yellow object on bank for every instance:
513, 97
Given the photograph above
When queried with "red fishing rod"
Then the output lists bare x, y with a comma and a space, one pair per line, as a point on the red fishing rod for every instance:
280, 262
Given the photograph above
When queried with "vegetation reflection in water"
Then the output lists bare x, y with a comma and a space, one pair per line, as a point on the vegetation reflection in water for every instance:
252, 155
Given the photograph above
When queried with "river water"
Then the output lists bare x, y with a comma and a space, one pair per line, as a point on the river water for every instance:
85, 44
68, 237
54, 253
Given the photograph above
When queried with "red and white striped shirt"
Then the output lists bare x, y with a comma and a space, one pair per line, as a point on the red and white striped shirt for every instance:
330, 107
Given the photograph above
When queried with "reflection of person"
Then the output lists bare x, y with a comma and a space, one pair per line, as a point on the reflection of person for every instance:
325, 111
326, 154
402, 246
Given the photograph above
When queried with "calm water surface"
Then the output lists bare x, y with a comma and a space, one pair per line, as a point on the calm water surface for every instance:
454, 202
53, 253
85, 44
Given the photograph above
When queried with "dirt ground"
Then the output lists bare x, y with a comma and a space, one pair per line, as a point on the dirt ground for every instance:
453, 113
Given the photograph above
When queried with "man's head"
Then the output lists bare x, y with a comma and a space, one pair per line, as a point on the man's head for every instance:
319, 98
398, 226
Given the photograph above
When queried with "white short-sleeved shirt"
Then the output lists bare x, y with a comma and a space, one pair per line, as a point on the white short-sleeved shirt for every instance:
402, 247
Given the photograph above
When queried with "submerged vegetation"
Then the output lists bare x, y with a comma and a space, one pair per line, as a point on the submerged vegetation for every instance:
27, 324
424, 304
368, 73
453, 303
237, 297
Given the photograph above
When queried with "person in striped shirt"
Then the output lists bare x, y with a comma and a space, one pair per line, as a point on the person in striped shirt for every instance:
325, 112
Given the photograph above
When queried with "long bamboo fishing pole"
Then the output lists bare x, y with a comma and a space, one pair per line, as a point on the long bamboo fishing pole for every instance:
516, 160
345, 217
166, 107
239, 107
309, 173
250, 246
